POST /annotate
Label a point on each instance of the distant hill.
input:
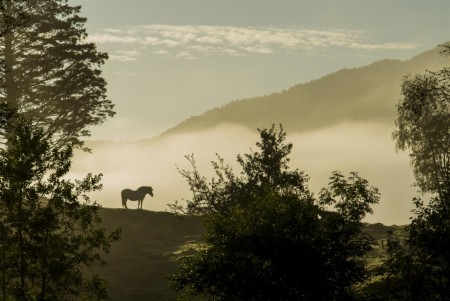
(367, 93)
(150, 246)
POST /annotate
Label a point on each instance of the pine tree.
(51, 91)
(51, 74)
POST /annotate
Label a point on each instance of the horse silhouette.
(135, 195)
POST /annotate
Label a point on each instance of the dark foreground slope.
(149, 248)
(139, 263)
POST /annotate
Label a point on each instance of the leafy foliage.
(8, 22)
(51, 74)
(419, 267)
(48, 237)
(263, 172)
(267, 237)
(51, 91)
(423, 127)
(352, 198)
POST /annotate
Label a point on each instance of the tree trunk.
(4, 273)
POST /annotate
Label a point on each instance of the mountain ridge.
(366, 93)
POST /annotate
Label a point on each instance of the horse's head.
(150, 191)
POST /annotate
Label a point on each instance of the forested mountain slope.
(367, 93)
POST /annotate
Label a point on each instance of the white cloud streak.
(191, 41)
(385, 46)
(124, 55)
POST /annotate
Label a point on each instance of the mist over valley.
(342, 121)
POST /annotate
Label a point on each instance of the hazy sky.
(170, 60)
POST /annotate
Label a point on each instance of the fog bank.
(363, 147)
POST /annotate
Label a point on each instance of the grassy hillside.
(146, 254)
(368, 93)
(150, 244)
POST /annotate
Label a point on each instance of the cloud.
(124, 55)
(126, 74)
(385, 46)
(103, 38)
(202, 40)
(184, 55)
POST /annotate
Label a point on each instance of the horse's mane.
(146, 188)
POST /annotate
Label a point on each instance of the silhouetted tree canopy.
(51, 74)
(417, 268)
(49, 228)
(262, 171)
(267, 237)
(51, 91)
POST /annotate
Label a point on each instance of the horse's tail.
(124, 199)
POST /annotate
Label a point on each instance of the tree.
(51, 91)
(423, 127)
(8, 23)
(51, 74)
(261, 171)
(419, 267)
(267, 237)
(429, 237)
(48, 236)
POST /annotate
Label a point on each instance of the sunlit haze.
(171, 60)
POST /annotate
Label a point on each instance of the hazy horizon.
(318, 153)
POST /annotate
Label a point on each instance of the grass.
(140, 262)
(152, 242)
